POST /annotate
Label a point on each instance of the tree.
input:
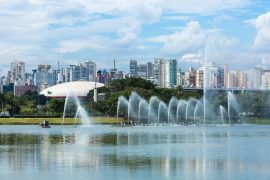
(56, 106)
(124, 87)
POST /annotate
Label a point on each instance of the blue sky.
(236, 32)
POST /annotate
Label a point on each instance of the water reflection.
(168, 152)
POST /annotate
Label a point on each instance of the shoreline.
(55, 121)
(94, 120)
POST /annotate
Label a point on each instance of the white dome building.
(79, 88)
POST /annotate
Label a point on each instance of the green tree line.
(30, 104)
(124, 87)
(251, 103)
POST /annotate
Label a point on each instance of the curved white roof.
(78, 88)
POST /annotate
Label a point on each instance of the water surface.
(109, 152)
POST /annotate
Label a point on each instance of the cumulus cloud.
(188, 40)
(43, 26)
(207, 7)
(262, 40)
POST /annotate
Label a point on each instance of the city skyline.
(43, 32)
(164, 73)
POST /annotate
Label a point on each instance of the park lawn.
(254, 120)
(55, 121)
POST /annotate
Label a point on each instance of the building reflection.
(195, 154)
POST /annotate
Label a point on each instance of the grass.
(55, 121)
(95, 120)
(254, 120)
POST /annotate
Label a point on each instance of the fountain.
(172, 110)
(153, 110)
(198, 112)
(178, 111)
(133, 108)
(223, 113)
(143, 112)
(162, 113)
(73, 100)
(121, 105)
(82, 114)
(181, 111)
(232, 105)
(190, 108)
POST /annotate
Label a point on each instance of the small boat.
(45, 124)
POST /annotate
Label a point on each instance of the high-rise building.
(222, 76)
(237, 79)
(257, 77)
(113, 71)
(43, 76)
(18, 72)
(8, 78)
(81, 71)
(199, 77)
(150, 70)
(103, 76)
(133, 68)
(142, 70)
(190, 78)
(225, 75)
(171, 73)
(160, 72)
(92, 70)
(232, 80)
(213, 77)
(179, 77)
(266, 81)
(242, 80)
(119, 75)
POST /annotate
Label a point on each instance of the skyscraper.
(242, 80)
(266, 80)
(179, 77)
(81, 71)
(257, 77)
(150, 70)
(91, 70)
(215, 76)
(171, 73)
(160, 72)
(225, 75)
(237, 79)
(189, 78)
(199, 78)
(142, 70)
(232, 80)
(133, 68)
(113, 71)
(43, 76)
(18, 72)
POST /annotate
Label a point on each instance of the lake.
(142, 152)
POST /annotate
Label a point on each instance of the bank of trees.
(124, 87)
(254, 103)
(251, 103)
(30, 104)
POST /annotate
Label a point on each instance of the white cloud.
(205, 7)
(75, 45)
(176, 17)
(189, 40)
(37, 27)
(262, 40)
(219, 20)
